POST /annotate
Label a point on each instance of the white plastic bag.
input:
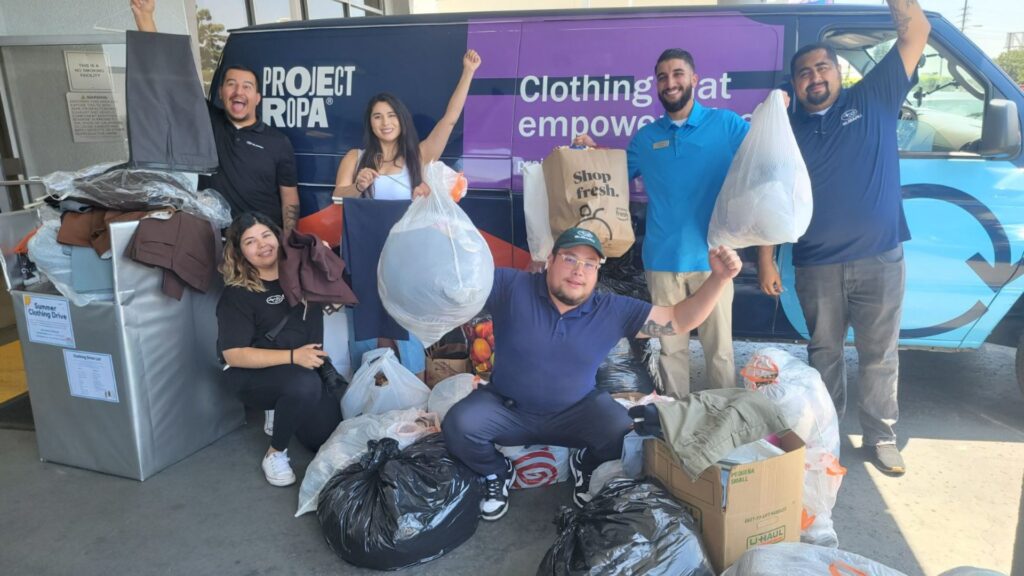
(348, 442)
(766, 197)
(823, 476)
(604, 474)
(435, 270)
(382, 384)
(535, 208)
(798, 392)
(537, 465)
(798, 559)
(55, 264)
(449, 392)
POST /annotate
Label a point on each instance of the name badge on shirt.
(660, 145)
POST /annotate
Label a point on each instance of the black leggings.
(301, 407)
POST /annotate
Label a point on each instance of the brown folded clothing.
(184, 246)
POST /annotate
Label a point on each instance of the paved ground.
(959, 504)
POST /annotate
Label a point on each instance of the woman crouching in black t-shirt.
(273, 361)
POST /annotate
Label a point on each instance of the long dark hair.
(235, 268)
(408, 141)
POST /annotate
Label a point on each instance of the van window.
(942, 114)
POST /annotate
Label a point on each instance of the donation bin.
(127, 386)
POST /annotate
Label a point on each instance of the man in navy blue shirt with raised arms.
(849, 263)
(551, 333)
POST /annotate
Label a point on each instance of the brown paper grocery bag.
(589, 189)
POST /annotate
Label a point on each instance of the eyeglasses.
(573, 262)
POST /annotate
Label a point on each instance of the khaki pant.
(715, 334)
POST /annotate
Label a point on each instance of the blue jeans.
(866, 294)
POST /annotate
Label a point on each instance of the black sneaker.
(495, 502)
(581, 479)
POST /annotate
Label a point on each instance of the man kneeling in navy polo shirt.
(551, 332)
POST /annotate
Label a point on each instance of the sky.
(988, 21)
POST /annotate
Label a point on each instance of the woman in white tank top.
(390, 167)
(391, 163)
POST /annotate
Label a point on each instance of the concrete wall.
(38, 84)
(36, 80)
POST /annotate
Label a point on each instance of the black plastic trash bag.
(625, 274)
(624, 371)
(630, 528)
(394, 509)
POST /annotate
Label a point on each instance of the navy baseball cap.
(579, 237)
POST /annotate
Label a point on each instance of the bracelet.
(291, 356)
(356, 184)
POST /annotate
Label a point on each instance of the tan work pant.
(715, 334)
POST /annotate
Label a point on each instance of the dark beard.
(561, 297)
(818, 100)
(672, 107)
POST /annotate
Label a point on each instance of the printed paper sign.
(48, 320)
(88, 71)
(91, 375)
(94, 118)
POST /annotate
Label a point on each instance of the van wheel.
(1019, 364)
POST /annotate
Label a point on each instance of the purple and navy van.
(547, 76)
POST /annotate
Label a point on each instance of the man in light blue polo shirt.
(683, 158)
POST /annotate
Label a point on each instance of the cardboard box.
(763, 500)
(440, 368)
(447, 359)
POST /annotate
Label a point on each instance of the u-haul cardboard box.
(751, 504)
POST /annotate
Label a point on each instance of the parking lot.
(962, 432)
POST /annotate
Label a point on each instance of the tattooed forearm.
(902, 14)
(902, 23)
(290, 216)
(653, 329)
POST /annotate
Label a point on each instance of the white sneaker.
(268, 422)
(277, 469)
(495, 501)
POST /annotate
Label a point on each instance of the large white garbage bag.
(348, 443)
(799, 559)
(766, 197)
(800, 394)
(436, 270)
(382, 384)
(536, 211)
(823, 476)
